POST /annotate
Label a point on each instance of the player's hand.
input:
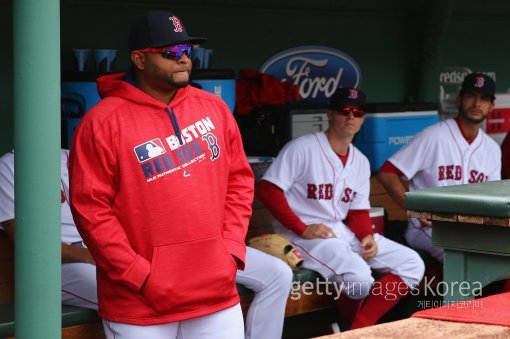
(87, 257)
(425, 222)
(318, 231)
(369, 247)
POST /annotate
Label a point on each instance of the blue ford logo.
(318, 71)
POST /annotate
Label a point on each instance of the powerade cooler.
(388, 127)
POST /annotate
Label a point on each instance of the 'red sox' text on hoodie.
(162, 198)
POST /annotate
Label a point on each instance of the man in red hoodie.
(161, 192)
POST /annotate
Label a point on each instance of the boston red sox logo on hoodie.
(158, 159)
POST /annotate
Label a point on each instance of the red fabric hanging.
(255, 89)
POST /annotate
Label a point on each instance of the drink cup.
(81, 59)
(105, 60)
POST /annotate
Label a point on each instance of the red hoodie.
(163, 220)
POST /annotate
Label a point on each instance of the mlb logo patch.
(149, 150)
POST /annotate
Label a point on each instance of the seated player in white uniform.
(318, 189)
(451, 152)
(78, 267)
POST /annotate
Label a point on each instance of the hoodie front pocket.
(190, 275)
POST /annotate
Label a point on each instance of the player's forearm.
(360, 223)
(76, 254)
(394, 186)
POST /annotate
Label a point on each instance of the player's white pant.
(271, 279)
(224, 324)
(420, 237)
(337, 259)
(79, 287)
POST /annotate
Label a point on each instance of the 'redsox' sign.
(318, 71)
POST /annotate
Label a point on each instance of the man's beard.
(178, 84)
(466, 116)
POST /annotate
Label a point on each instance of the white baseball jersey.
(440, 156)
(318, 187)
(69, 232)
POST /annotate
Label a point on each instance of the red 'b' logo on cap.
(479, 82)
(353, 94)
(177, 23)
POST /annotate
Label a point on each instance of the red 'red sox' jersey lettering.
(475, 176)
(349, 195)
(449, 172)
(320, 192)
(446, 158)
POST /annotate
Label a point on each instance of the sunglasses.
(356, 112)
(171, 52)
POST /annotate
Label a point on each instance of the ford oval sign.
(318, 71)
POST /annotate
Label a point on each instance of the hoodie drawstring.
(175, 124)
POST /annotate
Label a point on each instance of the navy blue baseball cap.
(348, 95)
(159, 29)
(478, 82)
